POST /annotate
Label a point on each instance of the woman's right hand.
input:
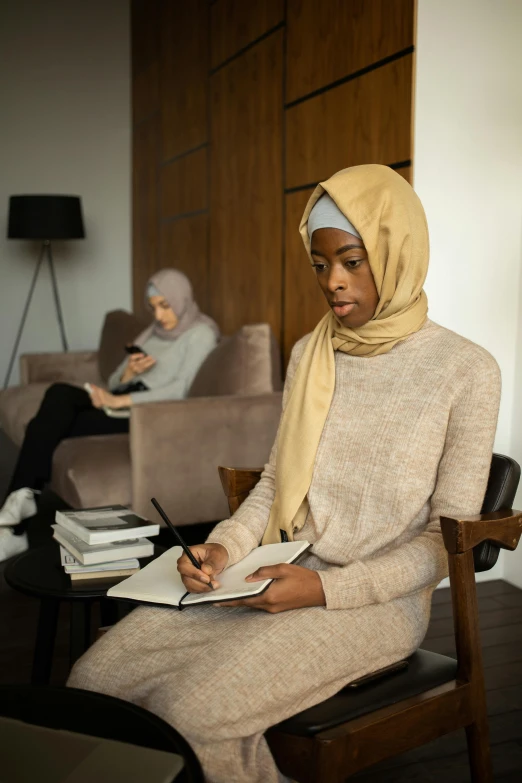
(137, 364)
(213, 559)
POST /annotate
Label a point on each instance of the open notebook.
(160, 581)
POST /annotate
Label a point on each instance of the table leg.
(109, 614)
(44, 644)
(80, 631)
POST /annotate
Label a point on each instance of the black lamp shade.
(45, 217)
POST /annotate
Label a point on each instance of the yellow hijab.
(390, 218)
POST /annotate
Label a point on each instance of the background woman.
(174, 347)
(388, 424)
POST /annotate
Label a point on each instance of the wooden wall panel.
(145, 58)
(144, 33)
(184, 75)
(236, 23)
(183, 184)
(145, 93)
(247, 188)
(367, 120)
(407, 173)
(183, 245)
(331, 39)
(304, 303)
(145, 206)
(210, 109)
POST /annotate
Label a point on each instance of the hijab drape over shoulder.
(390, 219)
(175, 287)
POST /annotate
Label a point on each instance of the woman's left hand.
(100, 398)
(294, 587)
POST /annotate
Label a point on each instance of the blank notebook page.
(160, 581)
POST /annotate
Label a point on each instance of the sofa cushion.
(93, 471)
(18, 405)
(119, 329)
(248, 362)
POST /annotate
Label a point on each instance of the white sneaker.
(19, 505)
(11, 545)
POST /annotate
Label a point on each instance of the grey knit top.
(177, 363)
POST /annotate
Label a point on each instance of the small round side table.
(39, 573)
(97, 715)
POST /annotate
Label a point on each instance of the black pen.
(178, 538)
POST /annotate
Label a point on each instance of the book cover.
(106, 524)
(102, 553)
(90, 577)
(113, 565)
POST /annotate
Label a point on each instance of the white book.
(105, 525)
(102, 553)
(97, 577)
(66, 559)
(117, 413)
(72, 566)
(160, 581)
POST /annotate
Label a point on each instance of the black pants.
(66, 412)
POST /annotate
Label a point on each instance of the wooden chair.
(398, 709)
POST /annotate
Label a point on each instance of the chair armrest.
(177, 446)
(503, 527)
(75, 366)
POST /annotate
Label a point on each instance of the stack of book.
(102, 545)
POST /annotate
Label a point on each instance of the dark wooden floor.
(443, 761)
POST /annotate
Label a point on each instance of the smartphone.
(135, 349)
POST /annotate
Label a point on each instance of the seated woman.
(388, 424)
(174, 347)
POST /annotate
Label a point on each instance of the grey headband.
(326, 214)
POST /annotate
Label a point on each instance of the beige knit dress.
(408, 437)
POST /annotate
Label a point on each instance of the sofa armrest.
(177, 446)
(74, 367)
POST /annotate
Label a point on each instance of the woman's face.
(344, 275)
(163, 312)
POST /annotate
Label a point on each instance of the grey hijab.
(177, 290)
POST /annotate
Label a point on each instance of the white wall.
(468, 174)
(65, 128)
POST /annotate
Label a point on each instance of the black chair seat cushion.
(426, 670)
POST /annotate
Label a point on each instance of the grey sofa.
(174, 448)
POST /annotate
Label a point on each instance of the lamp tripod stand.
(45, 253)
(35, 217)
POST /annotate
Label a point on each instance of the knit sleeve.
(244, 530)
(461, 484)
(177, 382)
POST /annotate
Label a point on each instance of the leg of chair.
(44, 645)
(477, 736)
(80, 631)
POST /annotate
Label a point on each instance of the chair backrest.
(504, 476)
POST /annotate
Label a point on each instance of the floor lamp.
(43, 218)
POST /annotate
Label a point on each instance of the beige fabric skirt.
(221, 677)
